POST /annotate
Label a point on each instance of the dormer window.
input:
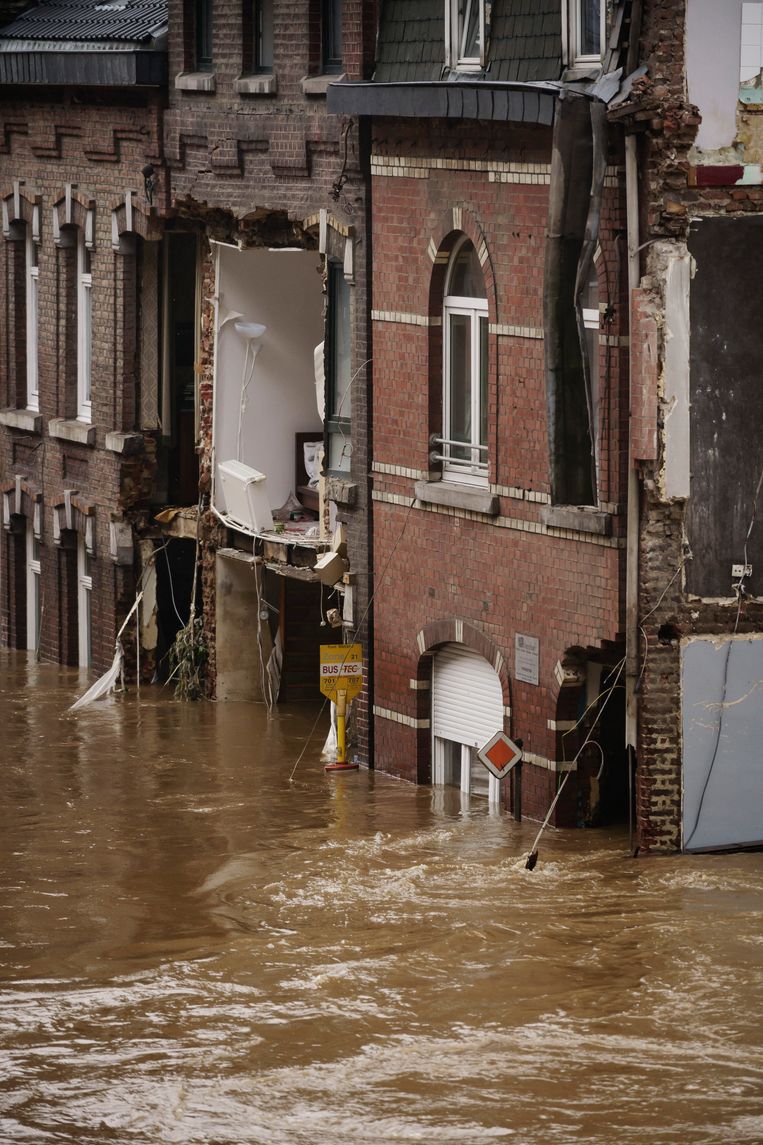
(586, 32)
(465, 34)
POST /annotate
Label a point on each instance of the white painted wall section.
(282, 291)
(713, 50)
(676, 473)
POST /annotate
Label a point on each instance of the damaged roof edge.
(510, 101)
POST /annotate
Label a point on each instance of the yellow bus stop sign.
(341, 670)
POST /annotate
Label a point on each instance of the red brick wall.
(430, 565)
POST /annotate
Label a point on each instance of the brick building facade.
(149, 224)
(81, 115)
(272, 189)
(696, 124)
(499, 434)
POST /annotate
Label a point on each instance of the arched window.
(465, 359)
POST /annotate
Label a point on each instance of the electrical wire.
(172, 590)
(265, 682)
(532, 857)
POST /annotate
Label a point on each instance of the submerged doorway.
(467, 709)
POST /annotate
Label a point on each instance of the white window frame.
(84, 605)
(465, 785)
(457, 14)
(474, 471)
(32, 310)
(84, 330)
(33, 585)
(592, 321)
(573, 28)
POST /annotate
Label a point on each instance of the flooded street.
(194, 949)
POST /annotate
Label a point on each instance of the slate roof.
(90, 21)
(525, 41)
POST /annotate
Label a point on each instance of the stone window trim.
(27, 420)
(22, 499)
(455, 226)
(256, 83)
(580, 518)
(22, 225)
(193, 81)
(319, 84)
(74, 514)
(21, 205)
(129, 217)
(72, 429)
(74, 209)
(453, 495)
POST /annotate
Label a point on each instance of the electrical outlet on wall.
(739, 571)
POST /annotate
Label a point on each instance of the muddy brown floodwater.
(193, 949)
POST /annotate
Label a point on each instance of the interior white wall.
(713, 48)
(281, 290)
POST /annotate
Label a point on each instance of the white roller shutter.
(467, 701)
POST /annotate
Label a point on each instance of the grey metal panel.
(516, 107)
(546, 109)
(445, 100)
(469, 105)
(500, 104)
(473, 100)
(485, 98)
(722, 743)
(84, 69)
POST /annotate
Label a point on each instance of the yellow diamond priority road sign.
(341, 670)
(499, 755)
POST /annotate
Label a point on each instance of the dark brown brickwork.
(97, 144)
(256, 167)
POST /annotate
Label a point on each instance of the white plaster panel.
(282, 291)
(713, 43)
(676, 384)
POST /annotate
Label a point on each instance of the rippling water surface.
(195, 950)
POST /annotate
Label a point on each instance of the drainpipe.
(632, 520)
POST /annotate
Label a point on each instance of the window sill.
(579, 518)
(583, 70)
(449, 493)
(256, 85)
(81, 432)
(26, 419)
(318, 85)
(341, 490)
(125, 443)
(195, 81)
